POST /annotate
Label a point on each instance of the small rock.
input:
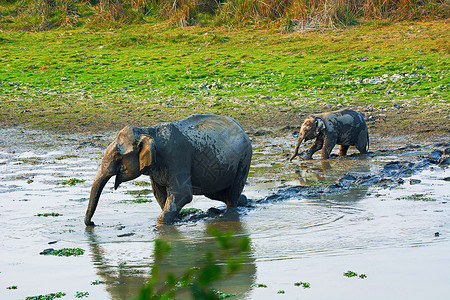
(64, 79)
(47, 251)
(212, 212)
(415, 181)
(52, 242)
(436, 234)
(126, 234)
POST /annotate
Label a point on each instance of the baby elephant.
(343, 127)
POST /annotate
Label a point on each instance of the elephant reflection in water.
(123, 282)
(313, 173)
(324, 172)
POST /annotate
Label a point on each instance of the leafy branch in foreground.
(198, 279)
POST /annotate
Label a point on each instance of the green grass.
(82, 80)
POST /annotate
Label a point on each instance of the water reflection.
(189, 245)
(329, 171)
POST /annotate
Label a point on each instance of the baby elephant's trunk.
(297, 145)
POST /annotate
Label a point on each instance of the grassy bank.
(80, 80)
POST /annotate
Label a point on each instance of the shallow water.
(379, 230)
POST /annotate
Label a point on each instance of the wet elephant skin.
(201, 155)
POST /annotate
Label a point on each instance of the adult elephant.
(201, 155)
(344, 127)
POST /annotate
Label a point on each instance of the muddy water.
(385, 230)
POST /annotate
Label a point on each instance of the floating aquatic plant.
(305, 285)
(142, 183)
(354, 274)
(417, 197)
(97, 282)
(189, 211)
(141, 200)
(12, 287)
(222, 295)
(81, 294)
(50, 296)
(68, 252)
(72, 181)
(52, 214)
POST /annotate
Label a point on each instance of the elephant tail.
(368, 141)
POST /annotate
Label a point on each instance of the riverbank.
(76, 80)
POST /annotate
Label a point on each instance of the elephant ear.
(320, 125)
(124, 141)
(147, 152)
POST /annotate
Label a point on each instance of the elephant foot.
(167, 218)
(89, 223)
(231, 214)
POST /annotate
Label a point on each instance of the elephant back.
(221, 134)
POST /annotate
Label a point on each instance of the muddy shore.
(383, 122)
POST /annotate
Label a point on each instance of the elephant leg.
(318, 144)
(343, 150)
(328, 146)
(160, 193)
(235, 192)
(363, 140)
(179, 194)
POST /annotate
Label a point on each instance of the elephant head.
(311, 128)
(127, 157)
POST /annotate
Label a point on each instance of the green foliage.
(139, 193)
(81, 294)
(321, 183)
(142, 183)
(30, 181)
(259, 285)
(280, 292)
(52, 214)
(198, 280)
(221, 295)
(72, 181)
(305, 285)
(354, 274)
(46, 297)
(417, 197)
(189, 211)
(141, 200)
(97, 282)
(68, 252)
(12, 287)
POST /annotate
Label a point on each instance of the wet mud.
(385, 214)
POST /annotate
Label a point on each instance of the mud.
(385, 214)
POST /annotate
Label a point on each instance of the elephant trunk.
(297, 145)
(100, 181)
